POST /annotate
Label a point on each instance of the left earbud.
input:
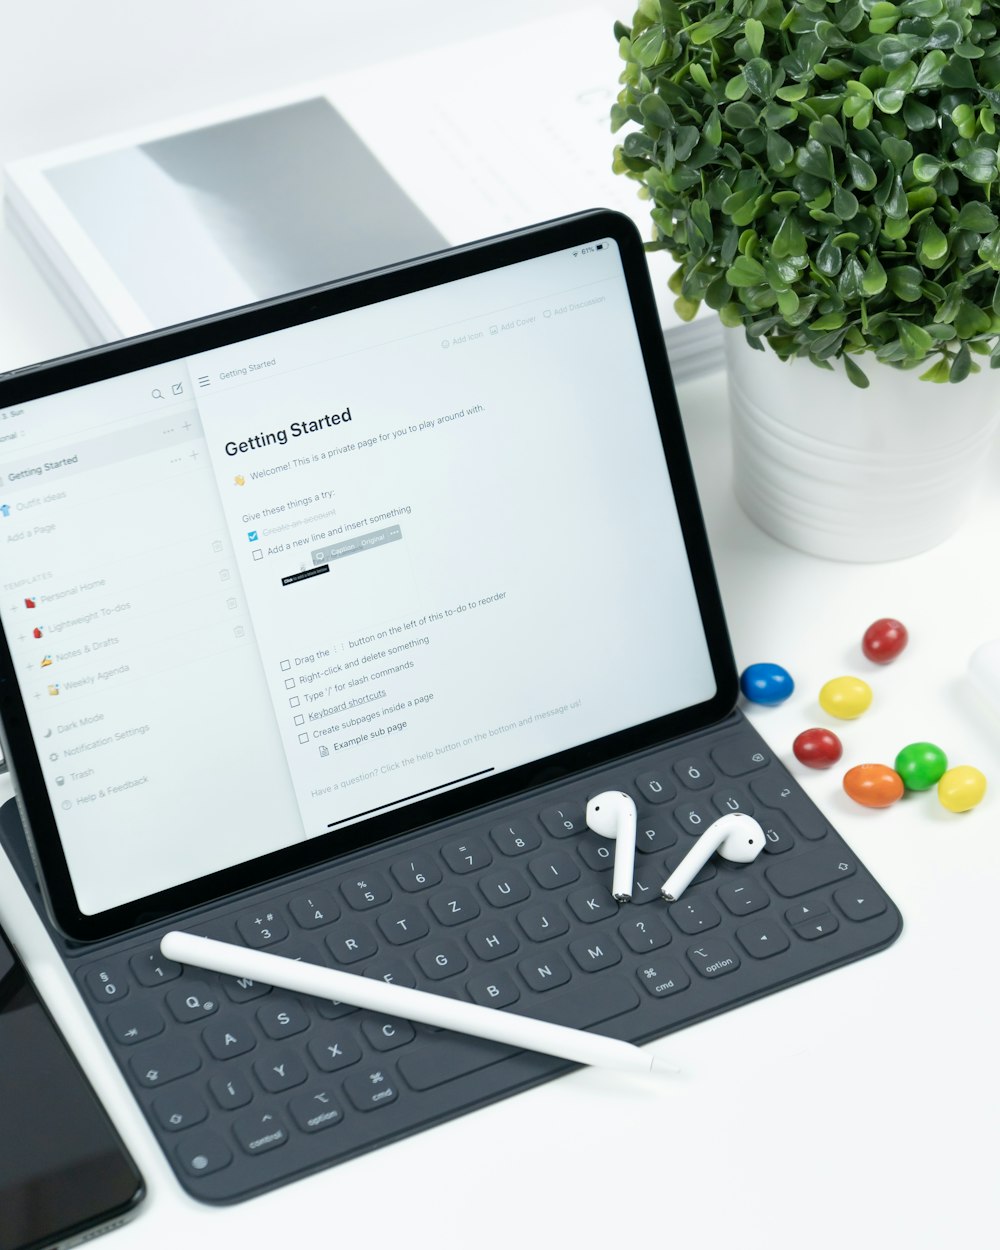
(612, 815)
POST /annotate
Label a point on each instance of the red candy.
(884, 640)
(873, 785)
(817, 748)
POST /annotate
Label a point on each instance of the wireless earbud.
(612, 815)
(736, 836)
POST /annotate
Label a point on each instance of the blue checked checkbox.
(252, 535)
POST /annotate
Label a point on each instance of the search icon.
(157, 394)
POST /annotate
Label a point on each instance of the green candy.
(921, 765)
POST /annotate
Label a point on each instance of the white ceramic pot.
(854, 474)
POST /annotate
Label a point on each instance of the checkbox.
(251, 536)
(285, 665)
(289, 683)
(300, 720)
(258, 554)
(303, 738)
(294, 701)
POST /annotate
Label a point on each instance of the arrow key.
(860, 902)
(822, 926)
(762, 938)
(808, 910)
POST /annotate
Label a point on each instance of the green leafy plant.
(824, 173)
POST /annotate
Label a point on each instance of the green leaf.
(686, 309)
(979, 166)
(929, 70)
(736, 88)
(971, 320)
(851, 277)
(938, 372)
(745, 271)
(780, 152)
(862, 174)
(874, 280)
(656, 110)
(813, 158)
(757, 73)
(753, 31)
(789, 239)
(697, 72)
(855, 373)
(927, 167)
(961, 366)
(975, 216)
(845, 205)
(710, 27)
(933, 245)
(829, 321)
(648, 46)
(904, 282)
(712, 130)
(914, 338)
(989, 250)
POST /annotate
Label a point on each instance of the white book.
(293, 188)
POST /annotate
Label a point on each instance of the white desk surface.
(857, 1110)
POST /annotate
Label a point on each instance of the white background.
(859, 1109)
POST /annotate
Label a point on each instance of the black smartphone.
(65, 1174)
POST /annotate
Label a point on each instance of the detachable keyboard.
(247, 1086)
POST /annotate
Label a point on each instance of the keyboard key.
(282, 1018)
(802, 873)
(654, 835)
(135, 1023)
(647, 881)
(316, 1109)
(228, 1038)
(371, 1090)
(416, 872)
(280, 1072)
(392, 971)
(192, 1001)
(774, 791)
(554, 870)
(230, 1091)
(694, 774)
(441, 959)
(242, 989)
(448, 1059)
(203, 1153)
(151, 968)
(777, 835)
(863, 903)
(739, 756)
(762, 938)
(648, 934)
(713, 958)
(743, 897)
(542, 921)
(350, 941)
(591, 904)
(164, 1062)
(454, 906)
(821, 927)
(469, 855)
(807, 910)
(596, 852)
(492, 941)
(600, 999)
(594, 955)
(387, 1034)
(504, 888)
(662, 978)
(693, 818)
(693, 915)
(262, 928)
(314, 909)
(515, 837)
(108, 982)
(544, 974)
(402, 924)
(490, 989)
(366, 890)
(259, 1131)
(655, 787)
(732, 799)
(333, 1049)
(563, 821)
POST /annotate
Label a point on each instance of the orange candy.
(873, 785)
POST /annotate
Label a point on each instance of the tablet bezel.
(153, 349)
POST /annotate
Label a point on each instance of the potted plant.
(825, 175)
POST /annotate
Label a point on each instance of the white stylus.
(400, 1000)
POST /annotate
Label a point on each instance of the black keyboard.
(247, 1086)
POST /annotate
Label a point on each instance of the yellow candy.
(845, 697)
(961, 788)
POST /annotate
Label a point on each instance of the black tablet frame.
(159, 347)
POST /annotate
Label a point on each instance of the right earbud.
(736, 836)
(612, 815)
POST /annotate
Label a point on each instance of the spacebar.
(452, 1057)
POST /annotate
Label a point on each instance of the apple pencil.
(399, 1000)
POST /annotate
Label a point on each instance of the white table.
(855, 1110)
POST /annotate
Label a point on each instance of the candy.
(845, 697)
(961, 788)
(884, 639)
(873, 785)
(921, 765)
(817, 748)
(766, 683)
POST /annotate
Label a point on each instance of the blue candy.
(766, 683)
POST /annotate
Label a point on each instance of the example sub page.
(450, 513)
